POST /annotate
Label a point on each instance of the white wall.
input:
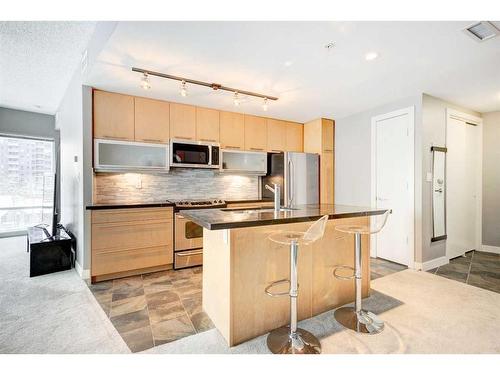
(491, 179)
(353, 159)
(70, 124)
(433, 134)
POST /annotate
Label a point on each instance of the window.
(26, 183)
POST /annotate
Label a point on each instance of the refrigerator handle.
(290, 183)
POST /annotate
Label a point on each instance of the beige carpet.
(424, 313)
(53, 313)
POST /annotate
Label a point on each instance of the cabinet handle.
(256, 149)
(151, 140)
(233, 147)
(186, 254)
(113, 137)
(327, 150)
(190, 138)
(208, 140)
(277, 150)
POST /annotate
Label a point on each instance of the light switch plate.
(429, 177)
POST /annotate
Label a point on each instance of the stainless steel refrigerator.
(298, 175)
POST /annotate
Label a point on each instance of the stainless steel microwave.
(194, 154)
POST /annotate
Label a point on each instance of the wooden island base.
(238, 264)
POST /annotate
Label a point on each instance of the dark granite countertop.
(214, 219)
(111, 206)
(248, 201)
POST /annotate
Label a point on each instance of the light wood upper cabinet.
(327, 174)
(276, 135)
(152, 120)
(294, 137)
(207, 125)
(182, 121)
(232, 130)
(328, 141)
(255, 133)
(113, 116)
(319, 138)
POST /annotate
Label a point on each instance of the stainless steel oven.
(193, 154)
(188, 236)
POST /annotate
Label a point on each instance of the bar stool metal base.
(366, 322)
(281, 341)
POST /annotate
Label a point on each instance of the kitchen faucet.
(277, 195)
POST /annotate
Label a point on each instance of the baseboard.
(491, 249)
(84, 274)
(431, 264)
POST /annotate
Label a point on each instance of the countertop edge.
(266, 222)
(112, 206)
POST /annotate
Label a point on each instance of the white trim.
(84, 274)
(431, 264)
(491, 249)
(478, 121)
(410, 111)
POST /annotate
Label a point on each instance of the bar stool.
(356, 318)
(290, 339)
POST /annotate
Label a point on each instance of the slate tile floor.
(381, 267)
(476, 268)
(156, 308)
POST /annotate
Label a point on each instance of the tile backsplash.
(178, 184)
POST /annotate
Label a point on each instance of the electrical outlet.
(138, 183)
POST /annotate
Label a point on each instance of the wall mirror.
(438, 193)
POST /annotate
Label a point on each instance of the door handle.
(382, 199)
(440, 190)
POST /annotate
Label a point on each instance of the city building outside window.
(26, 183)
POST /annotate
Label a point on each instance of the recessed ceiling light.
(371, 56)
(288, 63)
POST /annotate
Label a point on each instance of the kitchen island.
(239, 262)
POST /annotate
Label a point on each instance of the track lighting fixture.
(264, 105)
(183, 90)
(236, 99)
(145, 84)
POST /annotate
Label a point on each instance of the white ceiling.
(38, 58)
(414, 57)
(37, 61)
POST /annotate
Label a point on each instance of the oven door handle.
(189, 253)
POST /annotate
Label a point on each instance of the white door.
(463, 144)
(394, 184)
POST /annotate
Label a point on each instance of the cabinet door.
(207, 125)
(327, 136)
(182, 121)
(276, 135)
(152, 120)
(232, 130)
(294, 137)
(255, 133)
(113, 116)
(327, 178)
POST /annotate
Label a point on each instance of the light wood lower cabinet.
(127, 241)
(238, 264)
